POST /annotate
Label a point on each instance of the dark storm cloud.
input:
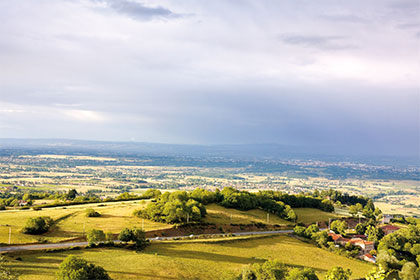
(316, 41)
(80, 69)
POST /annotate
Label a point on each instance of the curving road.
(17, 248)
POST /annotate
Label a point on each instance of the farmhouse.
(365, 246)
(369, 258)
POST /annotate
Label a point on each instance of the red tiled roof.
(390, 227)
(368, 255)
(334, 236)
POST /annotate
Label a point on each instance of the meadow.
(71, 221)
(192, 260)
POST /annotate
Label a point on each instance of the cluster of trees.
(401, 251)
(135, 235)
(74, 268)
(343, 198)
(38, 225)
(275, 270)
(300, 200)
(175, 207)
(368, 211)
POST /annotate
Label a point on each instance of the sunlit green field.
(195, 260)
(220, 215)
(73, 221)
(311, 215)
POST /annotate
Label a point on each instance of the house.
(389, 229)
(22, 202)
(386, 219)
(365, 246)
(369, 258)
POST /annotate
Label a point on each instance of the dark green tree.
(74, 268)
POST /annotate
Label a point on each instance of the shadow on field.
(148, 276)
(200, 255)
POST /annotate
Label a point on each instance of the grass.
(204, 260)
(312, 215)
(72, 221)
(220, 215)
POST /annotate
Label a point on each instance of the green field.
(72, 221)
(220, 215)
(192, 260)
(312, 215)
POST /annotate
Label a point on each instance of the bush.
(92, 213)
(37, 225)
(74, 268)
(95, 236)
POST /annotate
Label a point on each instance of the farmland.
(195, 260)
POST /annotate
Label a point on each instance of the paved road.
(72, 244)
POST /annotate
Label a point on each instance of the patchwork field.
(193, 260)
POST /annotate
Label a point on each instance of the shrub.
(92, 213)
(37, 225)
(74, 268)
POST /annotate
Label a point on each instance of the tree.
(377, 274)
(339, 226)
(126, 235)
(299, 231)
(321, 238)
(409, 271)
(311, 230)
(74, 268)
(374, 234)
(95, 236)
(360, 228)
(338, 273)
(6, 273)
(37, 225)
(269, 270)
(71, 194)
(135, 235)
(302, 274)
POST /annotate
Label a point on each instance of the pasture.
(192, 260)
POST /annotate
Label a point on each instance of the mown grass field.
(192, 260)
(311, 215)
(73, 220)
(220, 215)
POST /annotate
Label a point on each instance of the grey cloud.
(411, 25)
(138, 10)
(319, 42)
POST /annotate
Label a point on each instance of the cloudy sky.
(327, 72)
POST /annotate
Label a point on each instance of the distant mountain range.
(262, 151)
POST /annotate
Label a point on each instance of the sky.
(312, 73)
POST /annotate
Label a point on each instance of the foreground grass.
(312, 215)
(220, 215)
(193, 260)
(72, 221)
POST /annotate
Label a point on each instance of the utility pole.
(329, 224)
(268, 218)
(188, 218)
